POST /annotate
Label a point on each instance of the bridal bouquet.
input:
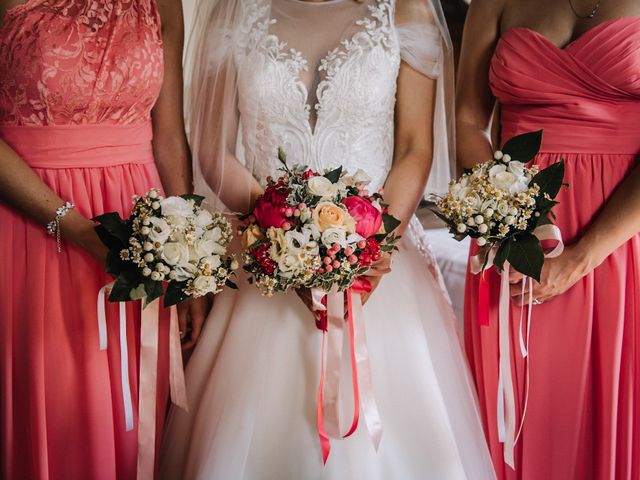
(501, 203)
(167, 241)
(315, 230)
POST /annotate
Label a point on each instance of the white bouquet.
(167, 241)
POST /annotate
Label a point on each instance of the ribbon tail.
(335, 337)
(148, 385)
(354, 367)
(124, 369)
(505, 368)
(176, 370)
(102, 316)
(325, 442)
(370, 410)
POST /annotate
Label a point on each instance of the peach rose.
(251, 235)
(328, 215)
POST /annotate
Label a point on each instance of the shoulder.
(414, 11)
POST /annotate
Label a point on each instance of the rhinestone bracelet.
(53, 227)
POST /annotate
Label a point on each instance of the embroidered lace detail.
(80, 62)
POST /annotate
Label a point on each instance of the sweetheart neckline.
(586, 34)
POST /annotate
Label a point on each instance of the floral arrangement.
(315, 230)
(167, 241)
(500, 203)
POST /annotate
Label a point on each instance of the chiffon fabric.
(325, 92)
(583, 414)
(77, 82)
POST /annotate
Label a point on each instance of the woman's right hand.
(82, 232)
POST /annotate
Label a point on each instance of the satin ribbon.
(328, 389)
(150, 317)
(506, 409)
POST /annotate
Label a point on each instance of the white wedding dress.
(253, 377)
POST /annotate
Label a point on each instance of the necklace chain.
(592, 14)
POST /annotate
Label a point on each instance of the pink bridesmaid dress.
(583, 415)
(77, 82)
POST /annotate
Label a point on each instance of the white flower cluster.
(492, 201)
(174, 239)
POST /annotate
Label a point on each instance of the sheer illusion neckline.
(589, 33)
(317, 4)
(342, 49)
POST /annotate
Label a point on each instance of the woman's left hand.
(558, 275)
(375, 274)
(192, 314)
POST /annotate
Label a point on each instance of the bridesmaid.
(570, 67)
(81, 95)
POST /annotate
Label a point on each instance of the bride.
(334, 82)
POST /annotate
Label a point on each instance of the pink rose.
(368, 218)
(271, 208)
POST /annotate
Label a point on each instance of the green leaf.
(197, 199)
(154, 289)
(543, 220)
(503, 253)
(138, 293)
(334, 175)
(114, 265)
(231, 285)
(115, 225)
(526, 255)
(525, 147)
(440, 216)
(390, 223)
(175, 293)
(121, 290)
(282, 156)
(111, 242)
(550, 179)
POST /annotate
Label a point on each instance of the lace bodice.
(80, 62)
(328, 109)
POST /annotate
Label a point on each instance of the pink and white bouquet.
(315, 230)
(170, 241)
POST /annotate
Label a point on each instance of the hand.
(558, 275)
(192, 314)
(81, 231)
(305, 296)
(375, 274)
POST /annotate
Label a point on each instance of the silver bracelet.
(53, 227)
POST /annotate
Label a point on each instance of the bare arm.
(474, 101)
(170, 148)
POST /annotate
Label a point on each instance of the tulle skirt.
(253, 378)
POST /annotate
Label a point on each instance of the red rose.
(368, 218)
(271, 207)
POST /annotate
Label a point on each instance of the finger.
(197, 321)
(183, 314)
(515, 276)
(515, 290)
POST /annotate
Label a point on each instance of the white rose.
(517, 168)
(204, 284)
(176, 221)
(289, 264)
(504, 180)
(203, 218)
(322, 187)
(205, 247)
(354, 238)
(471, 198)
(212, 261)
(361, 177)
(175, 253)
(177, 206)
(160, 230)
(503, 209)
(278, 243)
(295, 242)
(184, 272)
(334, 235)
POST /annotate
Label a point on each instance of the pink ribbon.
(150, 317)
(328, 390)
(506, 408)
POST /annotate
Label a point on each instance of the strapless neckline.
(586, 35)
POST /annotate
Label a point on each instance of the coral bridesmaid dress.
(77, 83)
(583, 415)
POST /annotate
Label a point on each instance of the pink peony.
(271, 208)
(368, 218)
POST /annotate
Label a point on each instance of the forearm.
(173, 162)
(405, 184)
(236, 186)
(473, 145)
(618, 221)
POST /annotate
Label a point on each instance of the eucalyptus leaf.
(525, 147)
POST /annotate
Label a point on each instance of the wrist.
(586, 257)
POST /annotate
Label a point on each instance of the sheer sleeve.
(425, 45)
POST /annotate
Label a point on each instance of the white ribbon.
(506, 410)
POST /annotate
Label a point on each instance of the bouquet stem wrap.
(150, 316)
(332, 342)
(506, 408)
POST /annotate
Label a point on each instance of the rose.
(212, 262)
(203, 218)
(289, 264)
(321, 187)
(204, 284)
(270, 208)
(184, 272)
(206, 247)
(299, 242)
(177, 206)
(160, 230)
(507, 180)
(517, 168)
(251, 235)
(334, 235)
(211, 239)
(368, 218)
(175, 253)
(471, 198)
(278, 245)
(329, 215)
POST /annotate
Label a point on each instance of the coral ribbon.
(150, 317)
(332, 342)
(506, 409)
